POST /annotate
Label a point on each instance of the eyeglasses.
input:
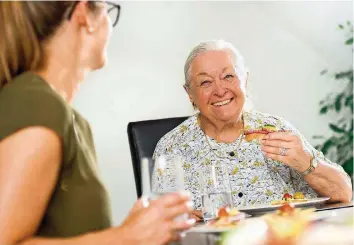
(113, 10)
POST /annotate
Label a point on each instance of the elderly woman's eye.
(229, 76)
(205, 83)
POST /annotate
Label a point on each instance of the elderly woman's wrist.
(304, 166)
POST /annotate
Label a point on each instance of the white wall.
(285, 45)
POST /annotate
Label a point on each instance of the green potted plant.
(341, 103)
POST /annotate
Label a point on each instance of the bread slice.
(258, 135)
(255, 136)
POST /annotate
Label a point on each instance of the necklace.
(232, 154)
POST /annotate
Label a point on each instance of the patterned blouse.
(253, 178)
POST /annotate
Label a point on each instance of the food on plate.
(223, 212)
(299, 195)
(288, 198)
(287, 224)
(227, 217)
(286, 209)
(259, 134)
(249, 232)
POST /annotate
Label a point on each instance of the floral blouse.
(254, 179)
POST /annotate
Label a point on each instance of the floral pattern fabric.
(253, 178)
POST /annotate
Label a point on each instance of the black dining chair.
(143, 137)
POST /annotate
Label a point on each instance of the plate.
(328, 234)
(205, 228)
(254, 232)
(269, 207)
(210, 229)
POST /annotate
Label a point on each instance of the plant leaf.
(323, 72)
(336, 128)
(349, 102)
(349, 41)
(348, 166)
(344, 151)
(338, 102)
(318, 147)
(328, 144)
(318, 137)
(324, 110)
(340, 26)
(344, 74)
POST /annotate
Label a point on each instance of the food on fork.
(260, 133)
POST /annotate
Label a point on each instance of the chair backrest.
(143, 137)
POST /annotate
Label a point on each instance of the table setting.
(292, 220)
(321, 224)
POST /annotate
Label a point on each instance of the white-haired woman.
(223, 131)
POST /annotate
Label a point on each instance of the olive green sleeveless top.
(79, 203)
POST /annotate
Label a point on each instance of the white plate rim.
(210, 229)
(268, 207)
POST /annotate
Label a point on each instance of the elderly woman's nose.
(220, 88)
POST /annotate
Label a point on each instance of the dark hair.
(24, 26)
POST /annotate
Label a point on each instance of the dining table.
(336, 212)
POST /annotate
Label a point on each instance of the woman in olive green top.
(50, 192)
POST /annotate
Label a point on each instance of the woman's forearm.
(329, 181)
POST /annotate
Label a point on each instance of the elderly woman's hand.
(287, 148)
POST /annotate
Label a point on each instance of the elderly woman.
(223, 132)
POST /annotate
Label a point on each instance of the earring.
(90, 30)
(194, 106)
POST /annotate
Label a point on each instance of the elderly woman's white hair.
(215, 45)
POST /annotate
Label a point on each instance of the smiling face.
(214, 86)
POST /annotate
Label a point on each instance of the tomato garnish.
(287, 208)
(287, 196)
(224, 212)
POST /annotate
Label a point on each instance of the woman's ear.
(185, 88)
(83, 16)
(190, 97)
(187, 91)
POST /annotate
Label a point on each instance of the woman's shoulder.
(181, 130)
(27, 87)
(179, 134)
(30, 101)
